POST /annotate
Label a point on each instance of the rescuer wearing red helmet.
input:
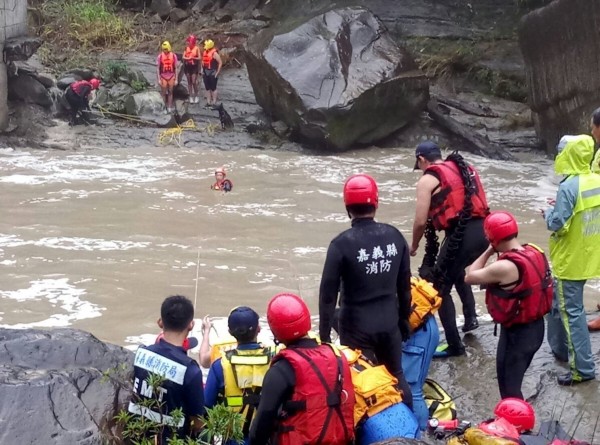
(220, 182)
(518, 295)
(78, 94)
(371, 262)
(450, 197)
(307, 396)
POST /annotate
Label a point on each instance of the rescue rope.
(439, 272)
(104, 112)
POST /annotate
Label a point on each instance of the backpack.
(375, 388)
(440, 404)
(425, 301)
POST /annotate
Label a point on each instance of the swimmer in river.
(220, 182)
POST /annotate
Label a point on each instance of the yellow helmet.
(209, 44)
(166, 46)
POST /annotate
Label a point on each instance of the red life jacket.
(531, 298)
(449, 201)
(321, 410)
(208, 61)
(167, 63)
(79, 85)
(192, 55)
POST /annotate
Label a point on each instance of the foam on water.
(76, 243)
(64, 298)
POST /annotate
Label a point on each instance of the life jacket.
(78, 86)
(221, 346)
(208, 62)
(193, 54)
(477, 436)
(531, 298)
(321, 409)
(243, 372)
(225, 184)
(167, 63)
(425, 301)
(499, 428)
(447, 203)
(375, 388)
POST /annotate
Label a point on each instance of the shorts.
(190, 68)
(210, 81)
(167, 83)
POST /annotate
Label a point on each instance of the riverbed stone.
(73, 382)
(162, 8)
(338, 80)
(144, 103)
(178, 15)
(65, 81)
(28, 89)
(117, 97)
(46, 79)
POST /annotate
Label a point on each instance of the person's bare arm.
(425, 187)
(204, 354)
(502, 271)
(217, 57)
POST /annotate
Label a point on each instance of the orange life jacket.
(321, 410)
(531, 298)
(167, 63)
(208, 62)
(192, 55)
(450, 200)
(78, 86)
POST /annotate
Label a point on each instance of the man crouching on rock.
(78, 94)
(166, 380)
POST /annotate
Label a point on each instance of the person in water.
(236, 378)
(220, 182)
(78, 94)
(182, 387)
(575, 225)
(449, 196)
(211, 68)
(371, 260)
(308, 396)
(166, 74)
(191, 67)
(518, 295)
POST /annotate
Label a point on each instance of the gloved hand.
(404, 326)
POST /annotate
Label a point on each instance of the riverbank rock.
(562, 67)
(337, 80)
(28, 89)
(74, 383)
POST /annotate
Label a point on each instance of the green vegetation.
(220, 422)
(448, 59)
(73, 29)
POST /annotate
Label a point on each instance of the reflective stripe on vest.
(167, 63)
(447, 203)
(208, 59)
(574, 248)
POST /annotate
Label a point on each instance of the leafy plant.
(113, 69)
(220, 422)
(138, 85)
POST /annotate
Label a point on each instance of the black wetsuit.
(473, 244)
(278, 387)
(77, 96)
(516, 348)
(371, 261)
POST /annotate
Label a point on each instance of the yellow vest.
(425, 301)
(375, 388)
(574, 249)
(243, 372)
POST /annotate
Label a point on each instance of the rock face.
(562, 67)
(336, 80)
(28, 89)
(64, 377)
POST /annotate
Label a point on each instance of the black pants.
(516, 348)
(76, 102)
(382, 348)
(465, 293)
(472, 245)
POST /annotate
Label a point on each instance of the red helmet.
(361, 189)
(191, 39)
(498, 226)
(95, 83)
(288, 317)
(221, 170)
(518, 412)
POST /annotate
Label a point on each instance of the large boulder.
(149, 106)
(28, 89)
(74, 383)
(562, 67)
(162, 8)
(337, 80)
(117, 97)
